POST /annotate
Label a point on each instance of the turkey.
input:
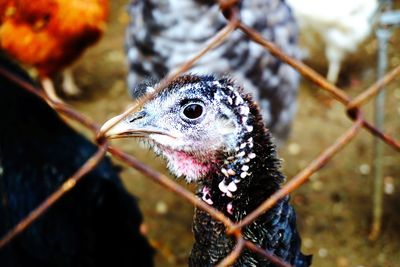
(163, 34)
(211, 132)
(96, 224)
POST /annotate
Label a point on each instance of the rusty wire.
(214, 42)
(65, 187)
(370, 92)
(271, 257)
(352, 107)
(303, 176)
(235, 253)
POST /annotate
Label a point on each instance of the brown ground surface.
(334, 208)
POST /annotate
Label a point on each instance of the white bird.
(342, 25)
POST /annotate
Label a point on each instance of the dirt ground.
(334, 207)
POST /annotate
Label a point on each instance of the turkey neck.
(246, 177)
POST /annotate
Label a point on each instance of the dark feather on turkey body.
(275, 230)
(163, 35)
(96, 224)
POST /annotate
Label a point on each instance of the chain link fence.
(353, 107)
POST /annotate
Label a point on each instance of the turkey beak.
(137, 125)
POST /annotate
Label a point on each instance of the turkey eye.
(193, 111)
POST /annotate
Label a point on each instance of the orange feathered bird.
(51, 34)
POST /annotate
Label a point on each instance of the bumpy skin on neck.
(255, 168)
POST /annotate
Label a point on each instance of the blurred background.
(334, 208)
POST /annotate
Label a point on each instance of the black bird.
(211, 133)
(96, 224)
(163, 34)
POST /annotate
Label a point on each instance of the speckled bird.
(212, 133)
(163, 34)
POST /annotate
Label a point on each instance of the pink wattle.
(188, 165)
